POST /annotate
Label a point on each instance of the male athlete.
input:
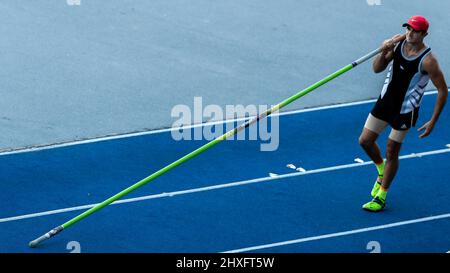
(398, 105)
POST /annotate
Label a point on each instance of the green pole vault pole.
(205, 147)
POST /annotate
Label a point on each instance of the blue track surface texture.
(315, 207)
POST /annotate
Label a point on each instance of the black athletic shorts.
(394, 118)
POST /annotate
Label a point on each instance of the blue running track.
(274, 209)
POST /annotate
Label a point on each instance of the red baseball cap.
(418, 22)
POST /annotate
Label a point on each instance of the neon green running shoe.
(376, 186)
(377, 204)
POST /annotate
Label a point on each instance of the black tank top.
(403, 90)
(405, 83)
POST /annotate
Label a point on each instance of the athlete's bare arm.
(431, 66)
(382, 60)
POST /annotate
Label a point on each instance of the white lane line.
(219, 186)
(338, 234)
(136, 134)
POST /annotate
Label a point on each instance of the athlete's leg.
(372, 129)
(368, 137)
(367, 140)
(392, 161)
(394, 145)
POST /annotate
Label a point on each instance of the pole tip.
(33, 244)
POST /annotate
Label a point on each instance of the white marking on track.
(359, 160)
(219, 186)
(291, 166)
(338, 234)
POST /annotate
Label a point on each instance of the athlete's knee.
(365, 141)
(367, 138)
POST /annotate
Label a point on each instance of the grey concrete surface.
(116, 66)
